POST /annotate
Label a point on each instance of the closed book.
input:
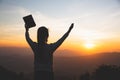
(29, 21)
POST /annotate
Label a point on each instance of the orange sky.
(77, 47)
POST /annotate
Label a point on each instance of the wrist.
(27, 29)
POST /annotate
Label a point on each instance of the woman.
(43, 52)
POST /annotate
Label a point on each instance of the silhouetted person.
(43, 52)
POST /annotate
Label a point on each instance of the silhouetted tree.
(6, 74)
(107, 72)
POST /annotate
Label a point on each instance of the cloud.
(99, 22)
(11, 18)
(10, 9)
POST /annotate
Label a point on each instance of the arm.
(30, 42)
(61, 40)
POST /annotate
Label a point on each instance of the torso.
(43, 57)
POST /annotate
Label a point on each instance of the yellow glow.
(89, 45)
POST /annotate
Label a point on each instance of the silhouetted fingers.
(71, 26)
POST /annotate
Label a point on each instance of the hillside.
(21, 60)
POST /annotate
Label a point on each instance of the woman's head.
(42, 35)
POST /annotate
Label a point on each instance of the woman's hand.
(71, 27)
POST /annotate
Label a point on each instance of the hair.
(42, 35)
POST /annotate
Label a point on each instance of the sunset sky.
(97, 23)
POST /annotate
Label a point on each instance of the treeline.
(103, 72)
(6, 74)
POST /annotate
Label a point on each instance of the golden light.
(89, 45)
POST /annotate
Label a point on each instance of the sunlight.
(89, 45)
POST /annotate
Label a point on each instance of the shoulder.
(51, 44)
(34, 44)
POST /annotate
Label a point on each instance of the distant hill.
(17, 59)
(81, 64)
(6, 74)
(21, 60)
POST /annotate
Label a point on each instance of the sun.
(89, 45)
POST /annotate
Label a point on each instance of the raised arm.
(30, 42)
(61, 40)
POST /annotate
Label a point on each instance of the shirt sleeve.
(28, 39)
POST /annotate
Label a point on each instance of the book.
(29, 21)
